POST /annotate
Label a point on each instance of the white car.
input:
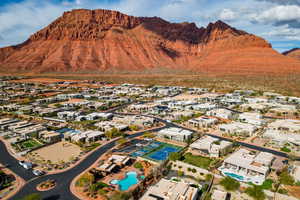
(26, 165)
(38, 172)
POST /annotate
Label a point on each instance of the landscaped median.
(85, 177)
(10, 183)
(46, 185)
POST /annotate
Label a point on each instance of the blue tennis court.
(163, 153)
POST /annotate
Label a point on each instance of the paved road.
(252, 146)
(64, 179)
(13, 165)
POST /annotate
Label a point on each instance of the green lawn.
(198, 161)
(285, 149)
(28, 144)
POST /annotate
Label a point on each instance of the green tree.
(180, 173)
(120, 196)
(174, 156)
(138, 165)
(208, 177)
(285, 178)
(256, 192)
(148, 135)
(33, 196)
(133, 127)
(230, 184)
(122, 141)
(85, 179)
(114, 132)
(93, 188)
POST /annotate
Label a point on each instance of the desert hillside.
(104, 40)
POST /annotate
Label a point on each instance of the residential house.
(114, 162)
(281, 137)
(87, 136)
(94, 116)
(68, 115)
(168, 189)
(238, 128)
(211, 146)
(178, 115)
(248, 166)
(202, 121)
(49, 136)
(283, 110)
(177, 134)
(220, 113)
(285, 125)
(252, 118)
(30, 131)
(136, 120)
(6, 122)
(204, 107)
(109, 125)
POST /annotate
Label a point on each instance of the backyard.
(28, 144)
(197, 161)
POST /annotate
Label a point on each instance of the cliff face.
(98, 40)
(293, 53)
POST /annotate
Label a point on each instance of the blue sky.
(278, 21)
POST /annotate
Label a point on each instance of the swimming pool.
(235, 176)
(163, 153)
(124, 184)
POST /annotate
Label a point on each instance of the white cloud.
(278, 15)
(19, 20)
(284, 32)
(227, 15)
(78, 2)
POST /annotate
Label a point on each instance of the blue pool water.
(163, 153)
(127, 182)
(235, 176)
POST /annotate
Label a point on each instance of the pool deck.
(121, 175)
(257, 180)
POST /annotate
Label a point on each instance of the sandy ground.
(69, 101)
(186, 97)
(38, 80)
(59, 151)
(294, 191)
(49, 94)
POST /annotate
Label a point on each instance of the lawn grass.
(29, 144)
(267, 184)
(286, 149)
(197, 161)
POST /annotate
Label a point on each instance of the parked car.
(38, 172)
(26, 165)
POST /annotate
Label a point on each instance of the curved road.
(64, 179)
